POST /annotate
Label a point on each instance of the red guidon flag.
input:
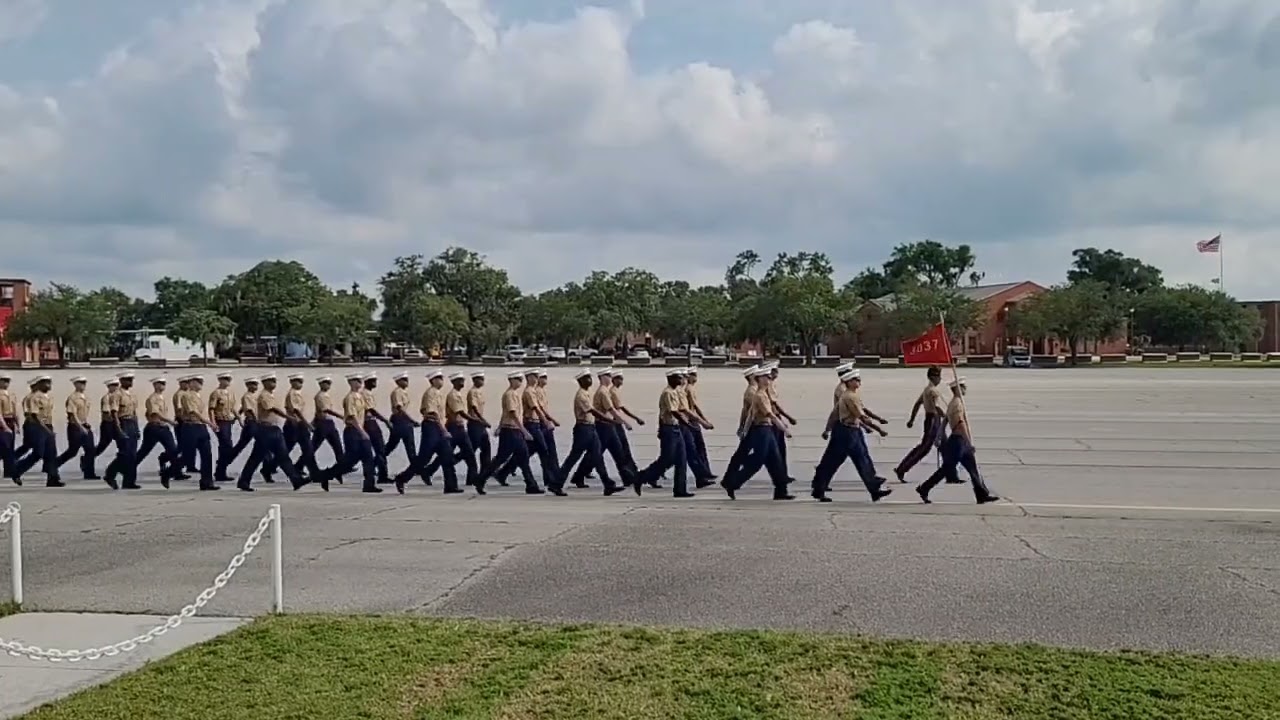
(931, 348)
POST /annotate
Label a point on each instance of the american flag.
(1212, 245)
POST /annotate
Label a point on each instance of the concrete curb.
(27, 684)
(789, 362)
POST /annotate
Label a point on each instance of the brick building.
(15, 293)
(1269, 310)
(874, 336)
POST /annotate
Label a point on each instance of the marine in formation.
(197, 434)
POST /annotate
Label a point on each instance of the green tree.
(917, 307)
(1114, 270)
(343, 316)
(273, 298)
(484, 292)
(556, 317)
(75, 322)
(204, 326)
(1193, 317)
(697, 316)
(796, 301)
(438, 320)
(869, 285)
(127, 313)
(931, 263)
(173, 296)
(1074, 314)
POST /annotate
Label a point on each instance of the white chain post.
(277, 559)
(13, 516)
(32, 652)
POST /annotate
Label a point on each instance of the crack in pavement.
(1251, 582)
(448, 592)
(1025, 542)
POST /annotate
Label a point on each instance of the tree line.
(457, 298)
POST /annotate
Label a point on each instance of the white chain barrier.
(268, 521)
(9, 512)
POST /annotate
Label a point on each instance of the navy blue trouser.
(957, 452)
(125, 463)
(464, 451)
(358, 451)
(43, 445)
(478, 433)
(201, 448)
(671, 455)
(611, 435)
(378, 442)
(188, 444)
(587, 454)
(845, 443)
(226, 449)
(7, 458)
(324, 432)
(107, 432)
(402, 433)
(513, 452)
(268, 447)
(80, 441)
(160, 434)
(298, 434)
(761, 452)
(930, 438)
(435, 450)
(700, 471)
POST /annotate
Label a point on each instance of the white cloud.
(344, 132)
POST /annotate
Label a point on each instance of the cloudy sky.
(147, 137)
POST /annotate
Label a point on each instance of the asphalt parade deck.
(1142, 514)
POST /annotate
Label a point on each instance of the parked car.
(557, 353)
(1017, 356)
(639, 352)
(516, 352)
(687, 351)
(582, 351)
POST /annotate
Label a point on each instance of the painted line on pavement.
(1157, 508)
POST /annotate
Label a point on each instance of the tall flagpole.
(1221, 251)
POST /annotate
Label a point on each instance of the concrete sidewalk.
(27, 684)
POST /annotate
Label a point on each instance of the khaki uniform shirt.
(931, 400)
(530, 403)
(124, 404)
(512, 408)
(353, 407)
(157, 404)
(399, 400)
(761, 410)
(187, 409)
(475, 401)
(668, 404)
(40, 405)
(455, 407)
(432, 405)
(294, 402)
(249, 403)
(323, 402)
(8, 408)
(78, 408)
(267, 403)
(582, 407)
(602, 401)
(222, 404)
(849, 409)
(370, 402)
(955, 414)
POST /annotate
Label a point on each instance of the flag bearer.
(957, 450)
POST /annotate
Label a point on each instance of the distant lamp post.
(1129, 331)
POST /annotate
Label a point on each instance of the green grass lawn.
(7, 608)
(330, 668)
